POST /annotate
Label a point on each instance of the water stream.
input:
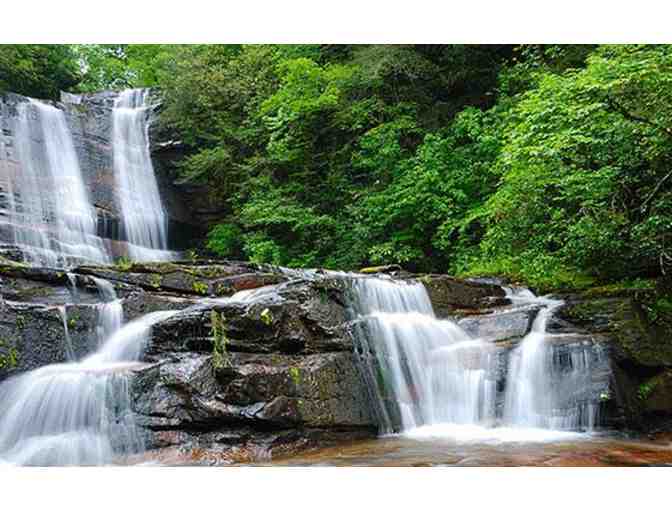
(431, 379)
(46, 206)
(143, 214)
(77, 413)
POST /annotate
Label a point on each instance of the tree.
(38, 70)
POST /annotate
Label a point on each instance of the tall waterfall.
(47, 206)
(77, 413)
(424, 371)
(144, 218)
(429, 374)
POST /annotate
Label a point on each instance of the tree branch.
(655, 190)
(636, 118)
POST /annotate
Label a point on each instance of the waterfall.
(144, 218)
(429, 377)
(547, 388)
(77, 413)
(47, 206)
(423, 371)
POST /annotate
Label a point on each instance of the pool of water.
(450, 445)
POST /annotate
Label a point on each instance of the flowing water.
(78, 413)
(431, 379)
(438, 403)
(46, 206)
(544, 390)
(423, 371)
(144, 217)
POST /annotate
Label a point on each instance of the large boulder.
(451, 296)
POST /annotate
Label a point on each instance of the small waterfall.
(423, 371)
(429, 377)
(110, 312)
(77, 413)
(47, 206)
(69, 350)
(138, 193)
(549, 383)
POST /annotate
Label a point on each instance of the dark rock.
(450, 295)
(32, 336)
(258, 391)
(222, 279)
(295, 318)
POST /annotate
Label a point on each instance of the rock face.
(640, 348)
(451, 296)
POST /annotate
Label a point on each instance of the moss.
(646, 388)
(220, 356)
(123, 264)
(20, 321)
(155, 280)
(295, 374)
(647, 343)
(266, 317)
(200, 287)
(378, 269)
(10, 358)
(624, 288)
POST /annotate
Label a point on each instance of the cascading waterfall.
(144, 218)
(47, 206)
(424, 371)
(77, 413)
(429, 375)
(548, 388)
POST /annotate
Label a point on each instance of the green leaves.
(38, 70)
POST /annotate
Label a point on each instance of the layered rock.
(260, 361)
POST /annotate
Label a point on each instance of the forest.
(546, 164)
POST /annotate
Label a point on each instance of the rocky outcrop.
(625, 322)
(451, 296)
(260, 361)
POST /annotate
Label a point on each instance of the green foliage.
(225, 240)
(119, 66)
(266, 316)
(38, 70)
(123, 263)
(200, 287)
(548, 164)
(645, 389)
(583, 161)
(9, 358)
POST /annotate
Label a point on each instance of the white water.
(138, 193)
(542, 390)
(424, 371)
(77, 413)
(431, 379)
(48, 209)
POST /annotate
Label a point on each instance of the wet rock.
(501, 325)
(32, 335)
(656, 394)
(295, 318)
(449, 294)
(260, 391)
(222, 279)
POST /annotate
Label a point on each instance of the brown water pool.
(490, 447)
